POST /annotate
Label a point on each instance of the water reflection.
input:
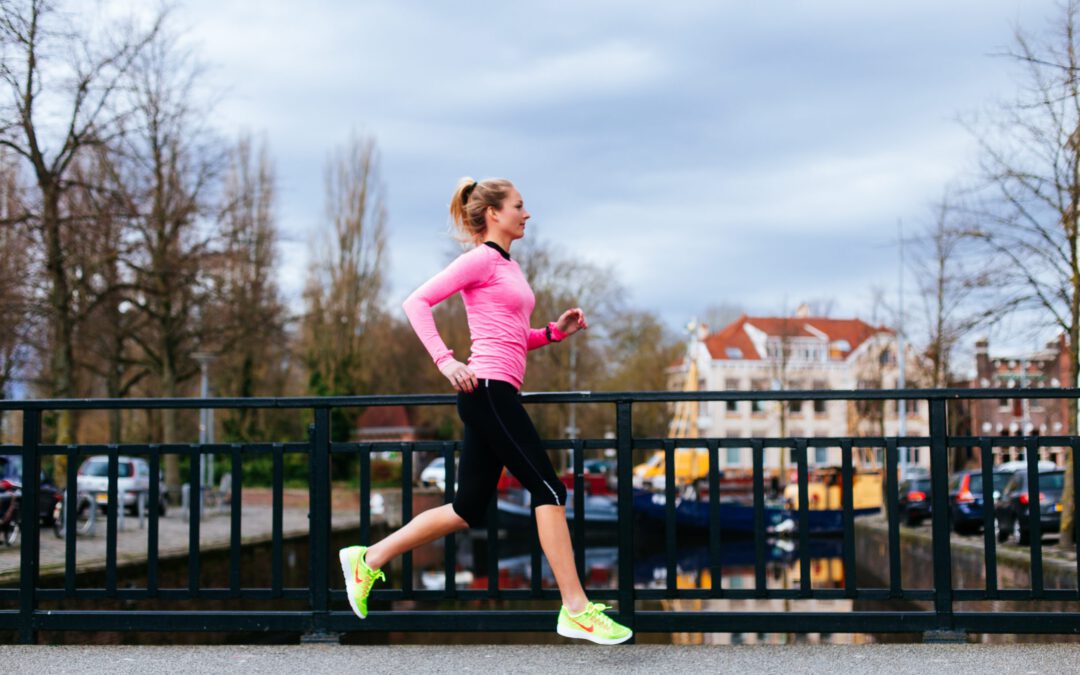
(601, 561)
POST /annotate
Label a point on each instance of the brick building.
(1009, 416)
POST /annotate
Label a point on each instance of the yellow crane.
(690, 463)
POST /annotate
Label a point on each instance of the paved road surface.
(583, 658)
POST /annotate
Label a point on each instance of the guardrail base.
(320, 637)
(944, 637)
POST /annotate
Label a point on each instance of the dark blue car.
(914, 501)
(966, 499)
(1012, 508)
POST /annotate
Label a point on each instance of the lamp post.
(206, 422)
(901, 405)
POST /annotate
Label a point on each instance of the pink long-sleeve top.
(498, 303)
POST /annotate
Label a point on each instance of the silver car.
(133, 478)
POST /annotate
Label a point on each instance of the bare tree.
(719, 314)
(106, 327)
(248, 315)
(169, 162)
(1031, 162)
(345, 283)
(639, 350)
(60, 86)
(560, 281)
(15, 289)
(956, 287)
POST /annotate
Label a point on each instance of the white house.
(799, 352)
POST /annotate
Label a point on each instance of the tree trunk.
(168, 432)
(1068, 496)
(63, 357)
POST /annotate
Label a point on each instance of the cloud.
(709, 151)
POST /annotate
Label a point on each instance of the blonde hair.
(470, 202)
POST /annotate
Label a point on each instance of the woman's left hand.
(571, 321)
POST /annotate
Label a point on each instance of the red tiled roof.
(854, 331)
(382, 416)
(732, 335)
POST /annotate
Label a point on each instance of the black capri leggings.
(498, 433)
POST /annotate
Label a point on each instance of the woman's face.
(510, 219)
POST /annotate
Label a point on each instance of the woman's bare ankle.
(577, 606)
(371, 557)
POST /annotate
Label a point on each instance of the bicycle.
(85, 515)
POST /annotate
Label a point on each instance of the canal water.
(514, 572)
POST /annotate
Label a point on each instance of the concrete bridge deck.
(583, 658)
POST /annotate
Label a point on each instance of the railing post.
(625, 449)
(939, 480)
(319, 527)
(31, 550)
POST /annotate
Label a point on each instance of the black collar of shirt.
(498, 248)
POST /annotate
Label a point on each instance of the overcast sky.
(757, 154)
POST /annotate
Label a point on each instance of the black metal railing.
(323, 608)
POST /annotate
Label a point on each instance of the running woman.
(491, 215)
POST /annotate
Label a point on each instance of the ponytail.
(470, 202)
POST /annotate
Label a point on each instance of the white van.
(132, 478)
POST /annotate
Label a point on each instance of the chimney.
(982, 360)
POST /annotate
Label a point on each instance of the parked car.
(132, 478)
(1012, 507)
(434, 474)
(11, 481)
(966, 498)
(1022, 465)
(914, 501)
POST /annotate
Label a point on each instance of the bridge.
(318, 610)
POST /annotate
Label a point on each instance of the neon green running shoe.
(593, 624)
(358, 578)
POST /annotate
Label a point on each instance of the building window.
(733, 456)
(1003, 403)
(757, 407)
(795, 407)
(731, 406)
(821, 455)
(820, 406)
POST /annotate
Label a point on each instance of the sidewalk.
(214, 531)
(584, 658)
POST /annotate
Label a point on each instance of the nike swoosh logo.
(587, 629)
(356, 574)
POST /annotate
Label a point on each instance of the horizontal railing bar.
(173, 594)
(437, 446)
(391, 595)
(777, 442)
(534, 620)
(171, 448)
(1015, 594)
(539, 397)
(588, 444)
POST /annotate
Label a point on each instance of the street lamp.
(206, 423)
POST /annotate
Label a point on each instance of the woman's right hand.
(459, 375)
